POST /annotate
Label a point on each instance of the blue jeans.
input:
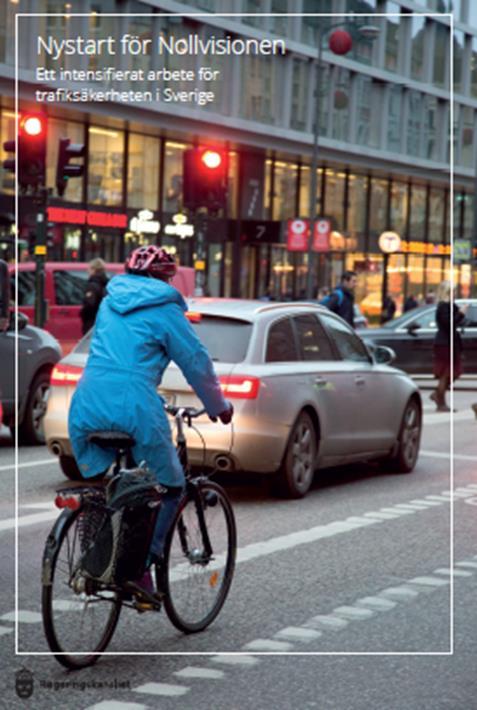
(165, 518)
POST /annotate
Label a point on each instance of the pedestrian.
(430, 298)
(341, 300)
(410, 303)
(442, 345)
(323, 292)
(389, 309)
(94, 293)
(4, 296)
(141, 327)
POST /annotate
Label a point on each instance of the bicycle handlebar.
(185, 412)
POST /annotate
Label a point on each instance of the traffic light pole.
(201, 224)
(40, 258)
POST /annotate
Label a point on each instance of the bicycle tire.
(62, 613)
(188, 583)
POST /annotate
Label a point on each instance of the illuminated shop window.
(106, 160)
(143, 171)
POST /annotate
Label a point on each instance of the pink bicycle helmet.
(151, 260)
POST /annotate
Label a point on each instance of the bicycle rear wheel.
(196, 583)
(78, 624)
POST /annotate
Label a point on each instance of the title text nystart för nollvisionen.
(133, 45)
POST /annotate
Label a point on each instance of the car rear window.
(226, 339)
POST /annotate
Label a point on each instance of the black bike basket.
(118, 550)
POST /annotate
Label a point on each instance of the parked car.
(38, 352)
(65, 284)
(306, 390)
(411, 336)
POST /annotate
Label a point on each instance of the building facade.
(385, 118)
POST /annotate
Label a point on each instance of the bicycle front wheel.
(197, 576)
(79, 617)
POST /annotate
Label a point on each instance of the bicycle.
(80, 613)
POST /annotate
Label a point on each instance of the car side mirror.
(22, 320)
(412, 328)
(383, 355)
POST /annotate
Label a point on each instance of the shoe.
(434, 397)
(445, 408)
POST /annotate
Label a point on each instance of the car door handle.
(320, 382)
(359, 380)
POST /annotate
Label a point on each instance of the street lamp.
(340, 42)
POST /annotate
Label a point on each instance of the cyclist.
(139, 329)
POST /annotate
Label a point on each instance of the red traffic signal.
(211, 159)
(205, 172)
(32, 130)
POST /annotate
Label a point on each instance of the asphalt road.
(347, 603)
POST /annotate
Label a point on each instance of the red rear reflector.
(193, 317)
(64, 375)
(71, 502)
(239, 387)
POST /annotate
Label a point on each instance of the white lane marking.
(427, 503)
(328, 622)
(429, 581)
(398, 511)
(24, 617)
(267, 645)
(9, 523)
(4, 630)
(453, 572)
(199, 672)
(297, 633)
(65, 605)
(30, 463)
(116, 705)
(402, 593)
(441, 498)
(161, 689)
(376, 603)
(353, 613)
(473, 565)
(381, 516)
(233, 660)
(446, 455)
(410, 506)
(46, 505)
(471, 501)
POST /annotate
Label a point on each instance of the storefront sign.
(144, 223)
(180, 228)
(298, 231)
(94, 219)
(389, 242)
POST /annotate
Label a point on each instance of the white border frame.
(451, 225)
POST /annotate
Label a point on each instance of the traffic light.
(31, 151)
(205, 178)
(64, 171)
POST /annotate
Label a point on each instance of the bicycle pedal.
(141, 607)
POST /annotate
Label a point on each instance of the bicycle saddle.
(111, 439)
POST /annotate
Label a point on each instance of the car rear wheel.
(31, 428)
(403, 460)
(70, 469)
(296, 473)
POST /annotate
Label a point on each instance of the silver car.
(306, 390)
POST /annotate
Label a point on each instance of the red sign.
(95, 219)
(321, 237)
(297, 234)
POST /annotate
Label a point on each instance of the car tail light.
(62, 375)
(193, 316)
(239, 386)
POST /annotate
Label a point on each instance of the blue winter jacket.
(139, 329)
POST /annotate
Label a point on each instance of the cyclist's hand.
(226, 416)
